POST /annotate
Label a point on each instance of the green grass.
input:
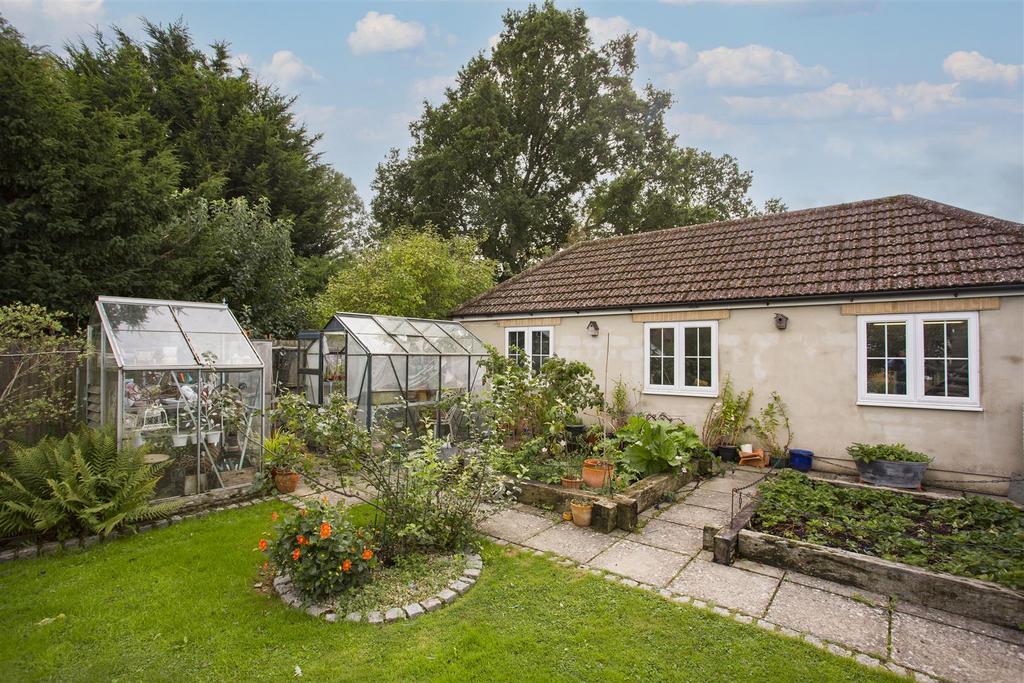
(179, 604)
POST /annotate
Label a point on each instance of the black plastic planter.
(729, 453)
(576, 431)
(894, 473)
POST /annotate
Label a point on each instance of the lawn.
(179, 604)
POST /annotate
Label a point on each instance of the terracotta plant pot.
(286, 482)
(571, 482)
(581, 513)
(597, 473)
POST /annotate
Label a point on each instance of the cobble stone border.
(470, 573)
(51, 547)
(678, 598)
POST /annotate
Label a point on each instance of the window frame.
(915, 397)
(528, 336)
(677, 388)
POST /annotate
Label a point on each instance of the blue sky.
(824, 101)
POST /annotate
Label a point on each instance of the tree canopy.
(109, 159)
(546, 139)
(411, 273)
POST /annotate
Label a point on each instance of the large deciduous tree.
(547, 139)
(410, 273)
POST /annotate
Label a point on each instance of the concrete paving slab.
(758, 568)
(727, 484)
(726, 586)
(837, 588)
(956, 654)
(675, 537)
(992, 630)
(830, 616)
(568, 540)
(694, 516)
(641, 562)
(514, 525)
(716, 500)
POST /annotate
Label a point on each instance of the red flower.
(325, 530)
(301, 539)
(346, 565)
(367, 554)
(295, 554)
(263, 544)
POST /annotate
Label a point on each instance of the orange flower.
(346, 565)
(325, 530)
(367, 554)
(273, 516)
(295, 554)
(301, 539)
(263, 544)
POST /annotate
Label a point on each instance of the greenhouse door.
(311, 368)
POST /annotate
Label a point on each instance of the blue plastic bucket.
(801, 460)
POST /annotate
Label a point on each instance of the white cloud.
(698, 126)
(974, 66)
(753, 65)
(428, 88)
(493, 41)
(53, 21)
(839, 100)
(285, 68)
(385, 33)
(604, 29)
(316, 116)
(242, 60)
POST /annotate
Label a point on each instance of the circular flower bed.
(446, 578)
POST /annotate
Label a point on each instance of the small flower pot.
(597, 473)
(138, 440)
(213, 438)
(571, 482)
(581, 513)
(576, 431)
(179, 440)
(286, 482)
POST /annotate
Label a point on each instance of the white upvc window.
(535, 342)
(924, 360)
(681, 358)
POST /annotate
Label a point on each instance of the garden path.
(665, 555)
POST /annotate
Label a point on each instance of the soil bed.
(975, 537)
(411, 579)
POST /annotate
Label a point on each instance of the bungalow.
(888, 320)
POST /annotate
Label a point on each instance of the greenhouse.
(391, 368)
(182, 378)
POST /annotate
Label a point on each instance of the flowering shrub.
(322, 551)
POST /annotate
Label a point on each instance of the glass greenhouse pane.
(455, 372)
(216, 349)
(129, 316)
(359, 325)
(206, 319)
(153, 349)
(416, 344)
(395, 325)
(424, 376)
(381, 344)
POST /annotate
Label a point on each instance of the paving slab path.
(665, 555)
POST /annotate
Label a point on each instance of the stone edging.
(833, 648)
(52, 547)
(470, 573)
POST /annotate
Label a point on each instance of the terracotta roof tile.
(894, 244)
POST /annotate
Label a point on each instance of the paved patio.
(665, 555)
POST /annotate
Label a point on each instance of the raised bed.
(616, 511)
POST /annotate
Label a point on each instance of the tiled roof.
(894, 244)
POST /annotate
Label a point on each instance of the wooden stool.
(754, 458)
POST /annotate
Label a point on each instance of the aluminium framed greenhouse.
(390, 367)
(183, 378)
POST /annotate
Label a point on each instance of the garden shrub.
(896, 452)
(971, 536)
(654, 446)
(322, 551)
(79, 484)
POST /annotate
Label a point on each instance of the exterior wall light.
(593, 329)
(781, 321)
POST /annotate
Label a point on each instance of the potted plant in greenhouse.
(582, 511)
(285, 455)
(892, 465)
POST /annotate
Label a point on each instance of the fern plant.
(79, 484)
